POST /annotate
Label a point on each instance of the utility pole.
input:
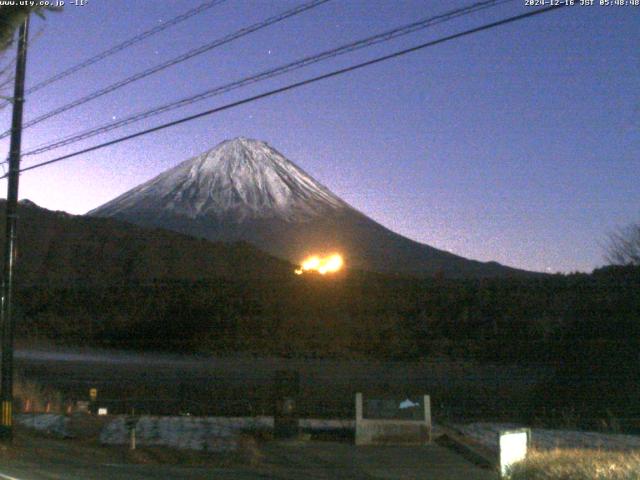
(6, 319)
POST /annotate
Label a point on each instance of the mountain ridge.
(58, 248)
(245, 190)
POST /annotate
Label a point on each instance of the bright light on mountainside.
(322, 265)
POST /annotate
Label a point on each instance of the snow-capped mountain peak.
(239, 179)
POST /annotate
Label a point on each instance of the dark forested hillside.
(356, 314)
(101, 282)
(58, 249)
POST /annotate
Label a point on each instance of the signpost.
(513, 447)
(131, 422)
(286, 390)
(93, 397)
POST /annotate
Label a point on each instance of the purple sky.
(520, 144)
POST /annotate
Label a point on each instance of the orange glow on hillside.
(322, 265)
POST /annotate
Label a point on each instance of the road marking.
(8, 477)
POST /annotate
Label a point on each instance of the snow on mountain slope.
(240, 179)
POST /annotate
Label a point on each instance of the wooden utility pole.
(6, 318)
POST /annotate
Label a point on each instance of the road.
(36, 458)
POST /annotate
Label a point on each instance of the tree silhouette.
(11, 17)
(624, 246)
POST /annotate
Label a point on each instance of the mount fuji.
(245, 190)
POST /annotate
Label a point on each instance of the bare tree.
(11, 17)
(623, 247)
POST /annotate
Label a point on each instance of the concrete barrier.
(376, 431)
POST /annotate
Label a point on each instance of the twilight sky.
(520, 144)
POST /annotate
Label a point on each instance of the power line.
(6, 76)
(309, 60)
(121, 46)
(296, 85)
(181, 58)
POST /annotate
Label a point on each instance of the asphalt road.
(311, 460)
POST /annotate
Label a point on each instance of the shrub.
(31, 397)
(577, 465)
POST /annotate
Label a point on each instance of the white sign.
(513, 447)
(408, 404)
(102, 411)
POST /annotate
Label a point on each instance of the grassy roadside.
(577, 465)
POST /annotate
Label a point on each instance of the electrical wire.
(289, 67)
(181, 58)
(122, 46)
(298, 84)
